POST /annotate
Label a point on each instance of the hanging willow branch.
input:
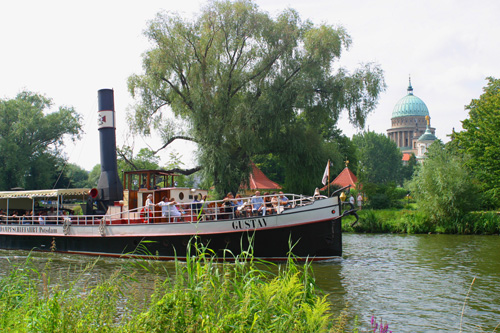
(185, 172)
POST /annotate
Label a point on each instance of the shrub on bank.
(413, 221)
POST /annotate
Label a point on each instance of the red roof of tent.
(346, 177)
(258, 180)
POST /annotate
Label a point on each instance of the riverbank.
(202, 295)
(412, 221)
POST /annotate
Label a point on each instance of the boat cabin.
(137, 185)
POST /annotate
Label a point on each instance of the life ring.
(145, 215)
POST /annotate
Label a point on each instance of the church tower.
(408, 122)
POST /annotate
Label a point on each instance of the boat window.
(181, 196)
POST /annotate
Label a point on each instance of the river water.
(415, 283)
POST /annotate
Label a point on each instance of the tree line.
(249, 87)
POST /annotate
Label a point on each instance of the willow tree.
(248, 84)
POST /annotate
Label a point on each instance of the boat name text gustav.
(249, 224)
(28, 229)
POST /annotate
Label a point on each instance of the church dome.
(410, 105)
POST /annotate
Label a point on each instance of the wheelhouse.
(137, 185)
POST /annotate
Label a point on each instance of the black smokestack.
(109, 186)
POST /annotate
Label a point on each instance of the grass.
(411, 221)
(202, 296)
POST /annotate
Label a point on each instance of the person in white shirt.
(169, 208)
(41, 219)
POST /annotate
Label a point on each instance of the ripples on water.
(416, 283)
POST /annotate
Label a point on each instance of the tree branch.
(122, 155)
(186, 172)
(172, 139)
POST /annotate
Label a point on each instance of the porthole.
(181, 196)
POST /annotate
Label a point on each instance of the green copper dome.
(410, 105)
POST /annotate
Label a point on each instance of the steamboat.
(147, 216)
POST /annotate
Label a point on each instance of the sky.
(68, 50)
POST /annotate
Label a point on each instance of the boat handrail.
(212, 210)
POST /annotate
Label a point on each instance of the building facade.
(409, 123)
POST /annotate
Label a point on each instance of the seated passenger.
(257, 204)
(229, 206)
(284, 202)
(269, 210)
(277, 208)
(169, 209)
(240, 204)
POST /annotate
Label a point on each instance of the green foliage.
(144, 160)
(412, 221)
(379, 158)
(29, 302)
(248, 84)
(481, 223)
(405, 221)
(443, 187)
(31, 135)
(202, 296)
(73, 176)
(94, 175)
(370, 222)
(382, 196)
(480, 139)
(409, 169)
(271, 166)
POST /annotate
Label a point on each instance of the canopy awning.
(70, 192)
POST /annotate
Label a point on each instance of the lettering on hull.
(249, 224)
(28, 229)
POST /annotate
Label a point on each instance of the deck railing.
(189, 212)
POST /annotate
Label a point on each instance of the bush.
(370, 221)
(443, 187)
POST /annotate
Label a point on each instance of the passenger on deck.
(41, 218)
(149, 202)
(269, 210)
(203, 207)
(240, 205)
(169, 209)
(276, 204)
(15, 217)
(51, 216)
(66, 217)
(27, 217)
(195, 205)
(257, 204)
(229, 206)
(284, 202)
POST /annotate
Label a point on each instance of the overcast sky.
(68, 50)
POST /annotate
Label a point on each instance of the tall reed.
(202, 295)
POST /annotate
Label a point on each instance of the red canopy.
(259, 181)
(346, 177)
